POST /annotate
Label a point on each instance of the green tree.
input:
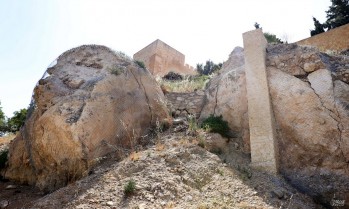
(338, 14)
(3, 124)
(200, 68)
(271, 38)
(209, 68)
(319, 28)
(17, 121)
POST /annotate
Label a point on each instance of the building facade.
(160, 59)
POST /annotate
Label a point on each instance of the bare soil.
(175, 172)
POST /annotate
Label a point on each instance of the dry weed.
(183, 141)
(7, 139)
(134, 156)
(170, 205)
(159, 147)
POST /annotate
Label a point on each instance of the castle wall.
(161, 59)
(145, 55)
(333, 40)
(184, 104)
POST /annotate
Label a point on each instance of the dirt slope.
(177, 173)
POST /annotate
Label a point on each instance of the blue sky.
(35, 32)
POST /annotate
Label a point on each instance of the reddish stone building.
(161, 59)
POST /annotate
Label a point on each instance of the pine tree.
(338, 14)
(271, 38)
(319, 28)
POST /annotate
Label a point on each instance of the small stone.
(110, 203)
(309, 67)
(76, 83)
(279, 193)
(4, 203)
(183, 114)
(180, 99)
(178, 121)
(142, 206)
(189, 198)
(11, 187)
(200, 92)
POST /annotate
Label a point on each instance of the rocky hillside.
(309, 93)
(177, 173)
(94, 128)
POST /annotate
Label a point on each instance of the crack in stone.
(215, 106)
(140, 84)
(335, 119)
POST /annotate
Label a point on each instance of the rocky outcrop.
(226, 96)
(312, 118)
(92, 102)
(309, 94)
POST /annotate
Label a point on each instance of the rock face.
(226, 96)
(312, 115)
(310, 96)
(93, 102)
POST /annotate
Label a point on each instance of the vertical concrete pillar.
(261, 120)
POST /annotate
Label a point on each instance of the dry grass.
(170, 205)
(7, 139)
(184, 142)
(245, 205)
(159, 147)
(134, 156)
(185, 85)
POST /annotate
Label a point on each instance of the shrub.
(200, 78)
(3, 125)
(3, 158)
(116, 70)
(202, 142)
(130, 187)
(140, 64)
(17, 121)
(216, 124)
(172, 76)
(216, 150)
(271, 38)
(209, 68)
(193, 126)
(188, 84)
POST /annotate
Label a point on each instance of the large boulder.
(92, 102)
(312, 118)
(226, 96)
(310, 99)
